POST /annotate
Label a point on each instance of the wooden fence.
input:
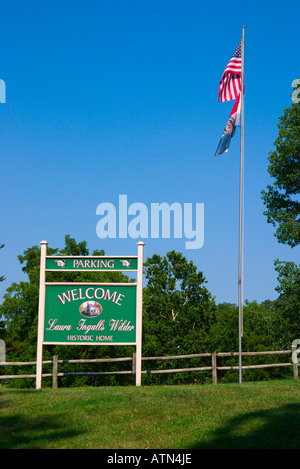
(214, 368)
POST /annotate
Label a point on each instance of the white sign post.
(41, 317)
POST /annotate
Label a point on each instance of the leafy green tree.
(288, 303)
(19, 310)
(178, 310)
(260, 326)
(282, 198)
(262, 331)
(224, 330)
(283, 211)
(178, 306)
(2, 278)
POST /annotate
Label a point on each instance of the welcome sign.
(90, 313)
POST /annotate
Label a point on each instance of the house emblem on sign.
(125, 263)
(60, 263)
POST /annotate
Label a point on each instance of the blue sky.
(115, 97)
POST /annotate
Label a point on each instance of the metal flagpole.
(240, 281)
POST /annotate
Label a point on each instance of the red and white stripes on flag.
(230, 84)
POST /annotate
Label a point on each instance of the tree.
(2, 278)
(262, 330)
(283, 211)
(288, 303)
(282, 198)
(178, 310)
(177, 305)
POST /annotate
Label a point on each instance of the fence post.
(134, 369)
(214, 366)
(54, 372)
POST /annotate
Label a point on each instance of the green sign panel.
(90, 314)
(95, 263)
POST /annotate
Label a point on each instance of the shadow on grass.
(276, 428)
(34, 433)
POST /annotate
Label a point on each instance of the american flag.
(230, 84)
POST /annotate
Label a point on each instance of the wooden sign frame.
(84, 264)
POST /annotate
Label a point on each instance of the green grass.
(250, 415)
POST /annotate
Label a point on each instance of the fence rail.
(214, 368)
